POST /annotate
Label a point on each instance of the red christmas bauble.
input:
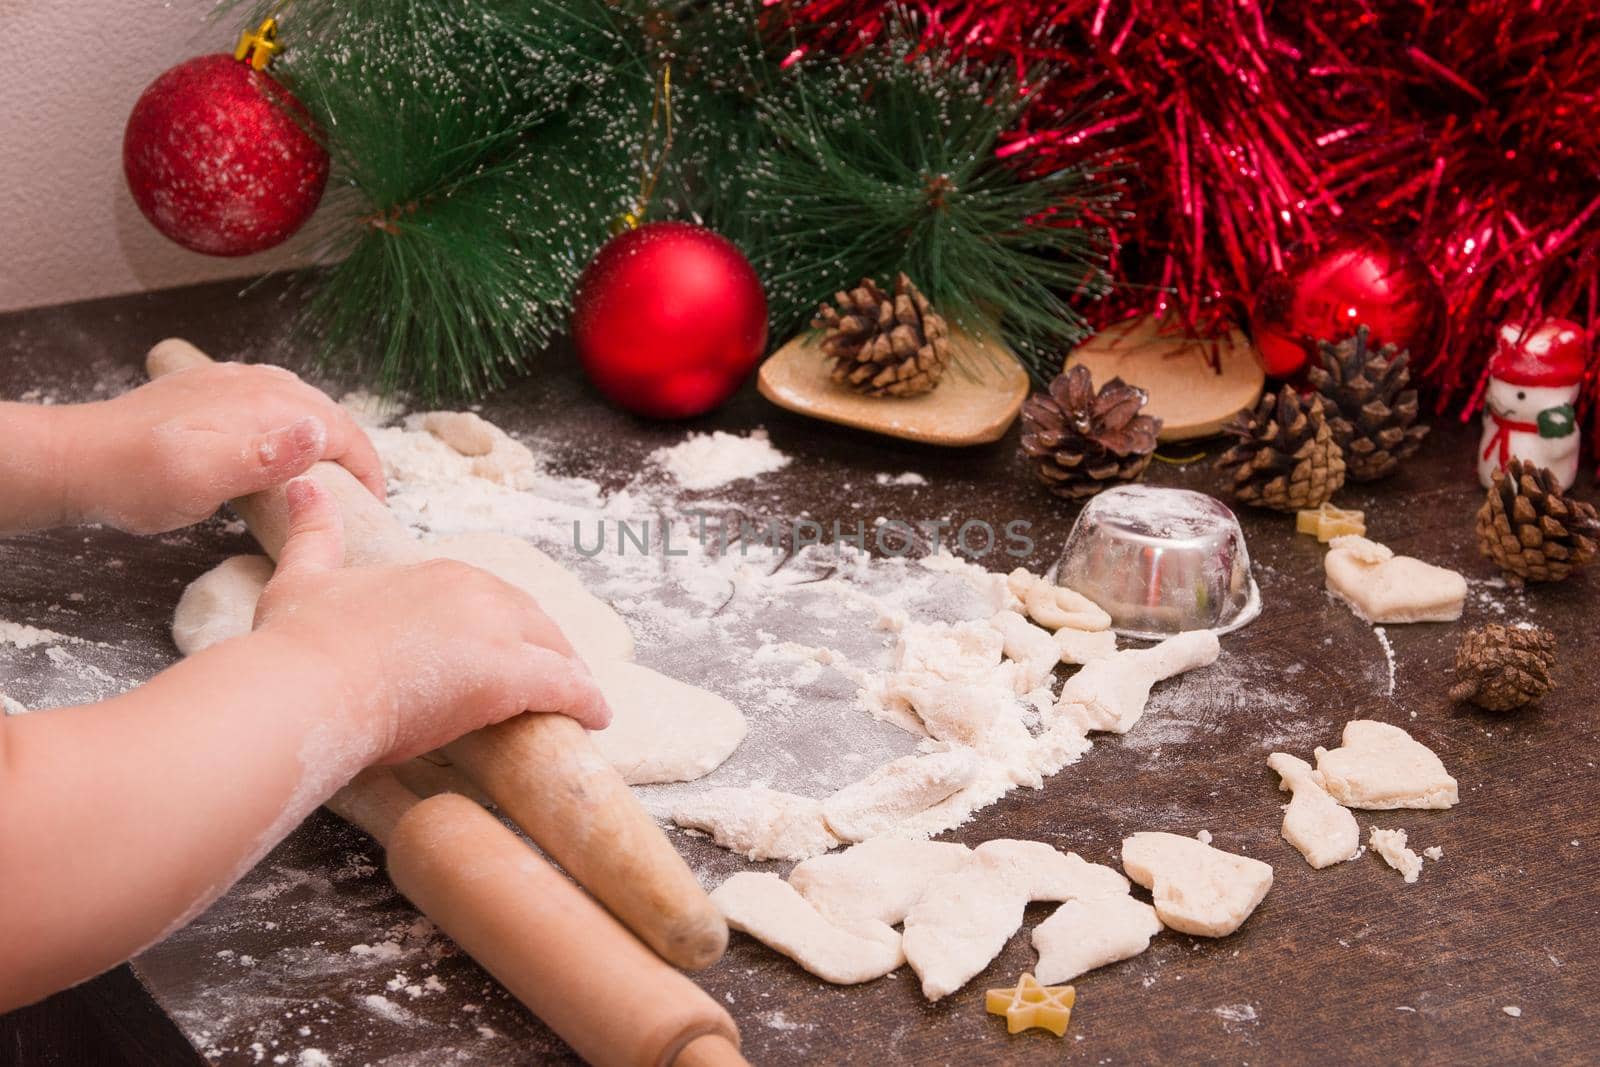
(1353, 280)
(669, 319)
(219, 158)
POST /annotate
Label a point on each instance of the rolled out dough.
(769, 910)
(1084, 934)
(1378, 766)
(1197, 889)
(1320, 827)
(662, 730)
(220, 604)
(595, 630)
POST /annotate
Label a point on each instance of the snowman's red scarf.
(1503, 429)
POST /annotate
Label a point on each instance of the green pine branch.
(480, 151)
(834, 170)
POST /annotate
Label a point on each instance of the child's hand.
(426, 652)
(169, 453)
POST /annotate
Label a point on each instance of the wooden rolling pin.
(540, 769)
(552, 947)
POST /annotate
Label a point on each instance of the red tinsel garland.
(1469, 130)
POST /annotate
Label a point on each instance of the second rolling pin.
(558, 952)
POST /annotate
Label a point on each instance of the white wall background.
(70, 71)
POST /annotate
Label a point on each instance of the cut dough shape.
(1032, 649)
(662, 730)
(1056, 607)
(959, 925)
(594, 629)
(758, 823)
(220, 604)
(1111, 692)
(1313, 822)
(879, 879)
(1082, 646)
(1381, 587)
(965, 918)
(1379, 767)
(1041, 872)
(769, 910)
(1391, 845)
(1084, 934)
(897, 790)
(1196, 888)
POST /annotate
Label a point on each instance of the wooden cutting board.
(1190, 397)
(975, 402)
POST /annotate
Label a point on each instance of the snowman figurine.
(1528, 409)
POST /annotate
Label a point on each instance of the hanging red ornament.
(668, 319)
(1352, 280)
(220, 157)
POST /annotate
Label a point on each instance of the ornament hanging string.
(652, 160)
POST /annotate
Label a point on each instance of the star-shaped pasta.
(1033, 1005)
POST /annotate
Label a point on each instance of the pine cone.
(1531, 529)
(1504, 667)
(1285, 457)
(1372, 413)
(1080, 441)
(884, 345)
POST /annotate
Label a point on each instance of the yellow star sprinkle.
(1032, 1004)
(1328, 522)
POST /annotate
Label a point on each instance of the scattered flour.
(1388, 653)
(905, 478)
(24, 636)
(384, 1008)
(706, 461)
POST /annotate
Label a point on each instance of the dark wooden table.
(1346, 965)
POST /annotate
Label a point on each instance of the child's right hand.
(425, 652)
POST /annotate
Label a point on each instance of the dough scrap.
(1055, 607)
(1379, 767)
(1323, 830)
(467, 433)
(1041, 872)
(758, 823)
(592, 626)
(1083, 646)
(769, 910)
(964, 919)
(1391, 845)
(974, 716)
(897, 790)
(879, 879)
(1196, 888)
(663, 730)
(1381, 587)
(1034, 650)
(220, 604)
(1110, 694)
(959, 925)
(1084, 934)
(496, 456)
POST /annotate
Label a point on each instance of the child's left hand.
(169, 453)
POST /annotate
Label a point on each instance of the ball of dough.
(220, 604)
